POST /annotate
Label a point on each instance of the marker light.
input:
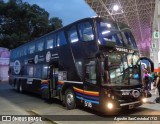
(109, 105)
(144, 100)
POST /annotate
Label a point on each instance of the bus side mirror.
(149, 60)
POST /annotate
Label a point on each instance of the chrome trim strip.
(72, 82)
(124, 104)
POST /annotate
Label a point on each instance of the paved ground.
(14, 103)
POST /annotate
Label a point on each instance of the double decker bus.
(93, 62)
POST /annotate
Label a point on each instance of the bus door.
(91, 88)
(53, 77)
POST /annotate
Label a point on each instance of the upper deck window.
(40, 46)
(86, 32)
(21, 52)
(49, 43)
(109, 32)
(61, 40)
(31, 48)
(25, 51)
(72, 34)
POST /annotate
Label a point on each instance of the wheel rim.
(70, 98)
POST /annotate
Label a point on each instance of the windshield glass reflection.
(121, 69)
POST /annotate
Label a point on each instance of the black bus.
(93, 62)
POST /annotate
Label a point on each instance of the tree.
(21, 22)
(55, 23)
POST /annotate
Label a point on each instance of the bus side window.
(54, 40)
(61, 40)
(40, 45)
(72, 35)
(25, 51)
(49, 43)
(79, 68)
(91, 72)
(30, 71)
(86, 32)
(37, 71)
(31, 48)
(45, 72)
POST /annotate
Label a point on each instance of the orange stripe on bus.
(91, 93)
(78, 90)
(60, 82)
(44, 82)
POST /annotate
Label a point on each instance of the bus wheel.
(69, 99)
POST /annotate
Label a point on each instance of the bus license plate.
(131, 106)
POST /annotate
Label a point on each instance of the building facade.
(155, 44)
(4, 63)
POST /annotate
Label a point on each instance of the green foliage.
(21, 22)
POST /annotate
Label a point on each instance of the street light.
(115, 7)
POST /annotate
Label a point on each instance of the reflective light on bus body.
(108, 25)
(74, 40)
(106, 32)
(99, 42)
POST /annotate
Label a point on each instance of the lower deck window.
(91, 72)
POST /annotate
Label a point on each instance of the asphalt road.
(14, 103)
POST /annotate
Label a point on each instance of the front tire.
(69, 99)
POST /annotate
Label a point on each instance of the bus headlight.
(144, 100)
(109, 105)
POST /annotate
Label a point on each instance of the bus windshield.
(116, 32)
(121, 69)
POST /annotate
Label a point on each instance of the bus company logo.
(36, 59)
(135, 93)
(17, 67)
(48, 56)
